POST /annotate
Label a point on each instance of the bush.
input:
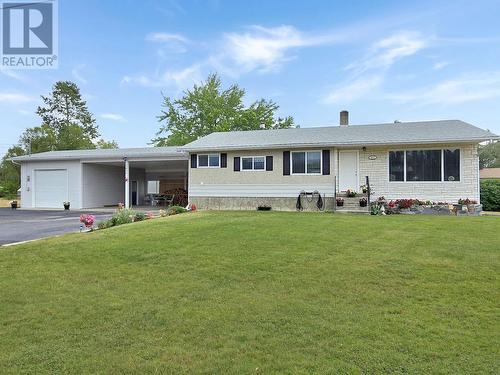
(174, 210)
(140, 216)
(105, 224)
(124, 216)
(490, 195)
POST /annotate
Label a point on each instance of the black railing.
(334, 193)
(368, 190)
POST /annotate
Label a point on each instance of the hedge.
(490, 195)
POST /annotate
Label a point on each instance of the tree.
(207, 108)
(9, 173)
(102, 144)
(67, 124)
(489, 155)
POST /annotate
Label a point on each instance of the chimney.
(344, 118)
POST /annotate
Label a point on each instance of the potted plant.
(364, 189)
(87, 220)
(339, 202)
(363, 202)
(66, 205)
(350, 193)
(13, 205)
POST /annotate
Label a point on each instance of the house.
(428, 160)
(489, 173)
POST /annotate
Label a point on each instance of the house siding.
(378, 172)
(223, 188)
(74, 171)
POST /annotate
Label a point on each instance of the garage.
(51, 188)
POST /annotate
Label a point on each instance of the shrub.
(490, 195)
(105, 224)
(139, 216)
(123, 216)
(174, 210)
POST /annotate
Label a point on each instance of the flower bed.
(416, 206)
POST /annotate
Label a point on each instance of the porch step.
(358, 195)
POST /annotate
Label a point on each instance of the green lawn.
(251, 292)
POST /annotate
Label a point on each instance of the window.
(452, 165)
(253, 163)
(153, 187)
(424, 165)
(208, 160)
(306, 162)
(396, 165)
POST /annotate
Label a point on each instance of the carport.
(100, 178)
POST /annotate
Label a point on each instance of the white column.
(127, 184)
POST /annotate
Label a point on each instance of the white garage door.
(51, 188)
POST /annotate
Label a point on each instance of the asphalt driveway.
(23, 225)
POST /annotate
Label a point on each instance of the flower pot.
(13, 205)
(363, 203)
(66, 206)
(340, 203)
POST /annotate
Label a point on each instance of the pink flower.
(87, 220)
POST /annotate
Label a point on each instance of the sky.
(380, 60)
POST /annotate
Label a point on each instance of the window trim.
(305, 162)
(208, 155)
(253, 164)
(460, 164)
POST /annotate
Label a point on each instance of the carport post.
(127, 185)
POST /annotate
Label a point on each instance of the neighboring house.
(489, 173)
(429, 160)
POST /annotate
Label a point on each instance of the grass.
(256, 292)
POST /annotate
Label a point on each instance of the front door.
(133, 193)
(348, 170)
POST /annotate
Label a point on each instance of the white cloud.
(113, 117)
(76, 72)
(165, 37)
(466, 88)
(12, 74)
(179, 79)
(356, 89)
(265, 49)
(385, 52)
(14, 98)
(440, 65)
(168, 43)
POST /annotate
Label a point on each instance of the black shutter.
(194, 160)
(286, 163)
(269, 163)
(326, 162)
(223, 160)
(236, 162)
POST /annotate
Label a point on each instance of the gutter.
(332, 144)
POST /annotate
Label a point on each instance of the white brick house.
(430, 160)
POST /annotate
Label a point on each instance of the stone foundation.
(245, 203)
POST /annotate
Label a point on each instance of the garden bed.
(465, 207)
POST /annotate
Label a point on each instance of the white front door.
(348, 170)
